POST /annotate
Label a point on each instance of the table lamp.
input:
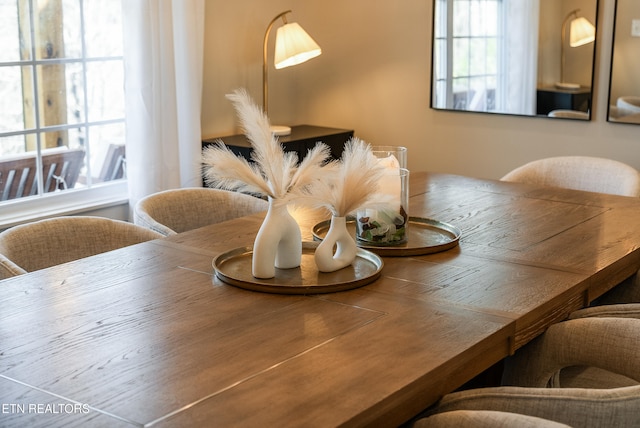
(581, 32)
(293, 46)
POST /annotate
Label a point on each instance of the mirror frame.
(592, 79)
(613, 114)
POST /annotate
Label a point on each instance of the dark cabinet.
(552, 98)
(302, 139)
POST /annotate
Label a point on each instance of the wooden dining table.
(147, 335)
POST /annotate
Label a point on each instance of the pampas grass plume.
(352, 183)
(274, 172)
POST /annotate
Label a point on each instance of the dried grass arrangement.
(274, 174)
(353, 183)
(341, 187)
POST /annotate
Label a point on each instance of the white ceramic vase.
(338, 238)
(278, 243)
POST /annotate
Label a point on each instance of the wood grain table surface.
(148, 336)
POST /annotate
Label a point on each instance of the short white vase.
(278, 243)
(338, 238)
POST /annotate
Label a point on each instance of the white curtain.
(163, 56)
(521, 25)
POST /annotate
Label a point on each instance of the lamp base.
(280, 130)
(565, 85)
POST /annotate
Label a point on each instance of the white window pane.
(103, 17)
(11, 145)
(11, 106)
(105, 83)
(75, 93)
(9, 40)
(72, 28)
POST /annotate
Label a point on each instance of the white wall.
(374, 77)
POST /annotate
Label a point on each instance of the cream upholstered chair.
(45, 243)
(591, 174)
(629, 103)
(178, 210)
(574, 407)
(8, 268)
(611, 344)
(581, 376)
(569, 114)
(484, 419)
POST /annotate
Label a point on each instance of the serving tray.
(424, 236)
(234, 268)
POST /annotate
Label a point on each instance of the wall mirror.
(624, 87)
(516, 57)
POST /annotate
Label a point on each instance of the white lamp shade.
(581, 32)
(294, 46)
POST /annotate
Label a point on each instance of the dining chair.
(41, 244)
(178, 210)
(591, 174)
(590, 376)
(629, 103)
(611, 344)
(8, 268)
(485, 419)
(537, 407)
(569, 114)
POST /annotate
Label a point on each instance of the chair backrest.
(576, 407)
(114, 166)
(18, 177)
(586, 173)
(45, 243)
(484, 419)
(630, 104)
(178, 210)
(569, 114)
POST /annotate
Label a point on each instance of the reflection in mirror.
(624, 88)
(519, 57)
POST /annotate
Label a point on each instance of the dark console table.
(302, 139)
(552, 98)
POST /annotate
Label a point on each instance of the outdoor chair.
(60, 170)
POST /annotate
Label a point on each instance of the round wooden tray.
(425, 236)
(234, 267)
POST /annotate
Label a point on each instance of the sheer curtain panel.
(163, 54)
(521, 22)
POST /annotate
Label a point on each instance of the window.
(467, 78)
(62, 127)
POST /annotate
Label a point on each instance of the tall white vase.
(338, 238)
(278, 243)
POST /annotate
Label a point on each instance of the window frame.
(75, 200)
(443, 96)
